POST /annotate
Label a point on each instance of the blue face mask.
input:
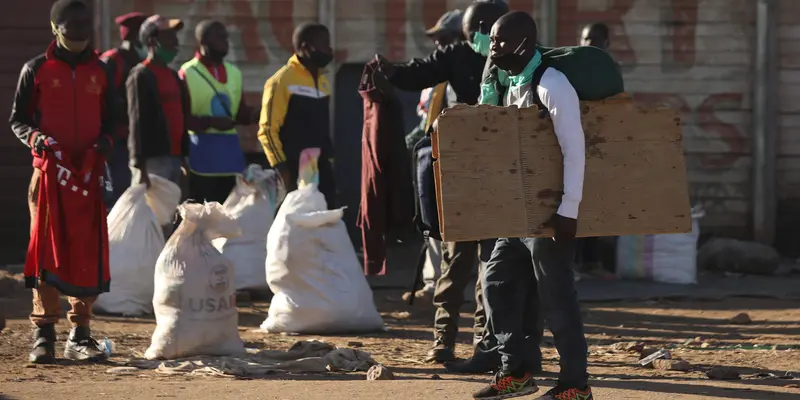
(481, 43)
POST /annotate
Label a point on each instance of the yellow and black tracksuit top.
(294, 115)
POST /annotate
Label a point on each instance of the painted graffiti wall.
(695, 55)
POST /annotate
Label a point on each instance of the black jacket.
(120, 61)
(147, 123)
(456, 63)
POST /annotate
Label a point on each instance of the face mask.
(508, 61)
(141, 51)
(320, 59)
(213, 54)
(165, 55)
(481, 43)
(73, 46)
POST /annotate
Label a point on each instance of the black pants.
(327, 184)
(553, 278)
(511, 263)
(458, 265)
(210, 188)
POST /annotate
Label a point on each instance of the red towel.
(69, 243)
(387, 197)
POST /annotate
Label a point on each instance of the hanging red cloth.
(387, 197)
(69, 240)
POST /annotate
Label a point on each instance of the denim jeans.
(553, 278)
(510, 263)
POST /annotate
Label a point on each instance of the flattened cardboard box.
(499, 171)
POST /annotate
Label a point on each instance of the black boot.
(81, 347)
(44, 345)
(443, 350)
(472, 365)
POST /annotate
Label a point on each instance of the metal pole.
(549, 32)
(765, 116)
(327, 16)
(105, 23)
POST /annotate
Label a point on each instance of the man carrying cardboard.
(533, 82)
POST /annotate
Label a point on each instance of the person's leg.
(556, 284)
(327, 182)
(533, 326)
(199, 187)
(166, 167)
(589, 254)
(46, 305)
(80, 345)
(212, 188)
(120, 173)
(485, 248)
(433, 265)
(486, 357)
(507, 283)
(458, 262)
(46, 308)
(507, 280)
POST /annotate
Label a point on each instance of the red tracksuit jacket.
(69, 244)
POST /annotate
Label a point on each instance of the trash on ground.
(723, 373)
(647, 361)
(379, 373)
(741, 319)
(672, 365)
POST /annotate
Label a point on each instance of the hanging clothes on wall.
(387, 197)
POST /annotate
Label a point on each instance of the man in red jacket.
(63, 110)
(119, 62)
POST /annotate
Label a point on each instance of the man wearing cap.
(120, 61)
(217, 106)
(63, 110)
(446, 32)
(431, 101)
(461, 64)
(158, 107)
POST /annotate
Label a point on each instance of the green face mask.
(480, 43)
(165, 55)
(141, 51)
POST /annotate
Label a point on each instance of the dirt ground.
(775, 328)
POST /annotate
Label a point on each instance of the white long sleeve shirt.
(558, 95)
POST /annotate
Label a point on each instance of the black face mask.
(320, 59)
(509, 61)
(215, 54)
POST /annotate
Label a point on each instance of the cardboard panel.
(501, 171)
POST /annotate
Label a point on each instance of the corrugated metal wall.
(24, 33)
(788, 175)
(694, 54)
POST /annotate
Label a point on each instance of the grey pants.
(458, 265)
(167, 167)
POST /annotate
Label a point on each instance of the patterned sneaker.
(506, 386)
(558, 393)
